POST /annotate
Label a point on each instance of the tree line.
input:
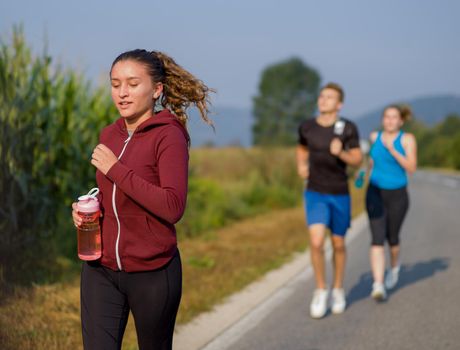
(438, 146)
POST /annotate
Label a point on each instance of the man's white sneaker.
(318, 306)
(378, 292)
(392, 277)
(338, 303)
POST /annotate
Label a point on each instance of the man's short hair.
(336, 87)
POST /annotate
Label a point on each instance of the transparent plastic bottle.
(89, 232)
(359, 181)
(339, 127)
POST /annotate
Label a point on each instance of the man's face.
(329, 101)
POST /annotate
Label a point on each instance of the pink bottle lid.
(88, 203)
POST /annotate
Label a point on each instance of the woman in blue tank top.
(393, 154)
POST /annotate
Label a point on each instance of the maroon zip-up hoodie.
(144, 193)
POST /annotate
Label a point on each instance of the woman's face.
(392, 120)
(132, 89)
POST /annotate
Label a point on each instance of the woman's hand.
(77, 220)
(103, 158)
(388, 144)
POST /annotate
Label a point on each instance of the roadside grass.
(231, 184)
(214, 266)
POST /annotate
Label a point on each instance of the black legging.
(107, 296)
(386, 210)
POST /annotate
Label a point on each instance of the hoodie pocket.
(137, 239)
(109, 229)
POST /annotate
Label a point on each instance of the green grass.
(230, 184)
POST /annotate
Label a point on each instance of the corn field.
(49, 123)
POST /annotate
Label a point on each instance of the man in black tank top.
(327, 144)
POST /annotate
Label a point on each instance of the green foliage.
(287, 96)
(438, 146)
(456, 151)
(211, 205)
(203, 262)
(270, 196)
(450, 127)
(49, 123)
(226, 185)
(207, 207)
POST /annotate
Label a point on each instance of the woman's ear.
(157, 90)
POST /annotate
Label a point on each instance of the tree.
(450, 126)
(438, 146)
(287, 95)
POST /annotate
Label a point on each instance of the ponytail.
(405, 111)
(181, 89)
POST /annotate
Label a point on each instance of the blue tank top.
(387, 173)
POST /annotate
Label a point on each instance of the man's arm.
(302, 161)
(353, 157)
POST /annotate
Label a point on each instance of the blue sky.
(380, 51)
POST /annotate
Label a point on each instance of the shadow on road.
(408, 275)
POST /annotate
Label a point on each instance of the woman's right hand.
(77, 220)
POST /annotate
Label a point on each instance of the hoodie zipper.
(115, 208)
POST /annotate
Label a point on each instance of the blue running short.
(332, 210)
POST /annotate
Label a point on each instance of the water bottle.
(89, 232)
(360, 179)
(339, 127)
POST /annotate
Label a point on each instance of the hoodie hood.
(164, 117)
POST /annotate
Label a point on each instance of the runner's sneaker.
(378, 292)
(392, 277)
(318, 306)
(338, 301)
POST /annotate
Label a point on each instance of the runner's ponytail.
(404, 110)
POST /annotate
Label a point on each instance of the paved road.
(423, 312)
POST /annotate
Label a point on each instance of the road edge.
(208, 326)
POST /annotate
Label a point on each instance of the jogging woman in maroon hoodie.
(142, 169)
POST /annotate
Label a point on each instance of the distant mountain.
(233, 127)
(429, 110)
